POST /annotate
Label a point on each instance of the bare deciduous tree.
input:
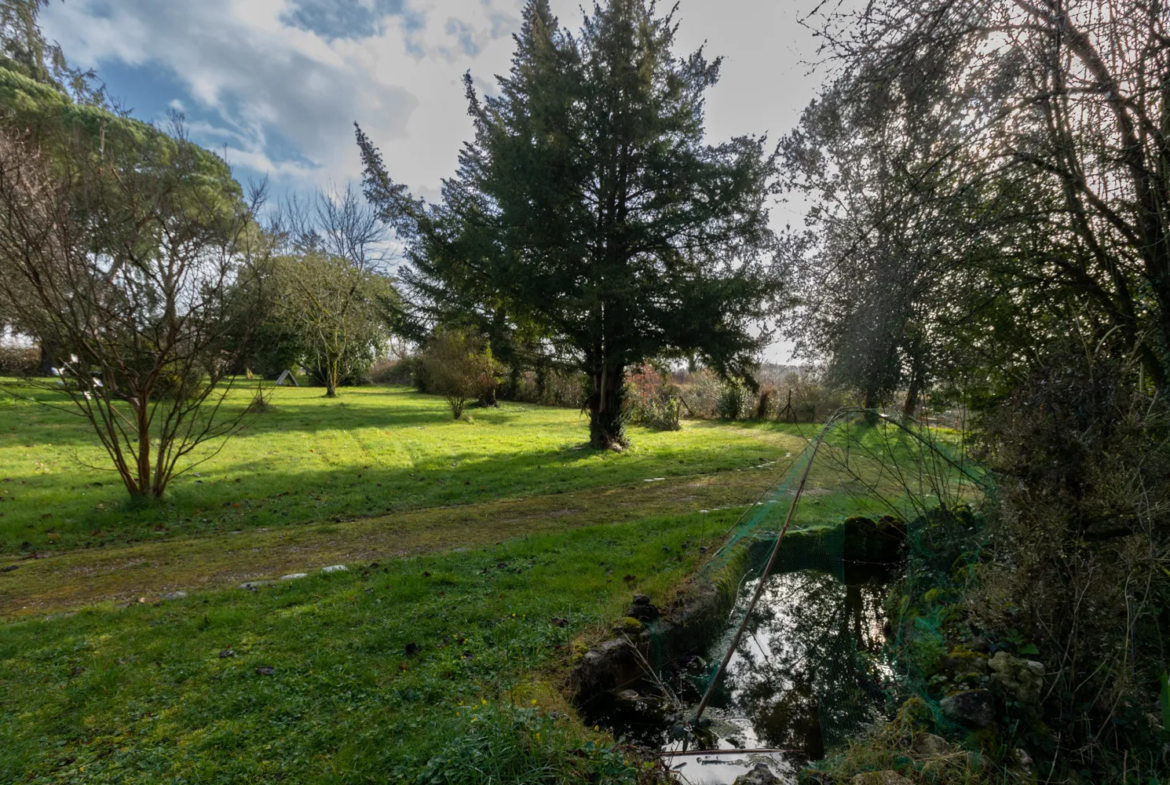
(125, 254)
(332, 286)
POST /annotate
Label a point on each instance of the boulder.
(759, 774)
(880, 778)
(1022, 680)
(874, 542)
(609, 665)
(960, 662)
(973, 708)
(928, 745)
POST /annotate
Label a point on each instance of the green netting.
(884, 499)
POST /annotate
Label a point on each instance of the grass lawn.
(376, 451)
(429, 669)
(481, 556)
(498, 544)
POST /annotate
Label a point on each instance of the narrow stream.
(806, 674)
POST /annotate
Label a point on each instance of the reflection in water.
(804, 676)
(805, 673)
(801, 675)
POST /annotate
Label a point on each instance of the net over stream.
(801, 654)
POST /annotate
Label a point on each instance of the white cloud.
(281, 98)
(285, 98)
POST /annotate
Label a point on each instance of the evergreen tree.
(590, 205)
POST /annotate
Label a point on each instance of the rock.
(628, 696)
(254, 585)
(1023, 760)
(609, 665)
(870, 541)
(629, 626)
(760, 774)
(961, 662)
(929, 745)
(980, 644)
(294, 576)
(880, 778)
(223, 655)
(642, 609)
(973, 708)
(174, 595)
(265, 670)
(335, 568)
(1016, 678)
(10, 568)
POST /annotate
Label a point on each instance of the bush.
(19, 360)
(407, 370)
(651, 400)
(551, 387)
(811, 400)
(699, 393)
(733, 401)
(460, 367)
(1080, 551)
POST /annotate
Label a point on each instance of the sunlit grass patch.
(375, 451)
(377, 671)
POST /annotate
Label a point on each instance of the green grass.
(515, 524)
(375, 451)
(142, 694)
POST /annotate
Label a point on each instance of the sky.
(276, 85)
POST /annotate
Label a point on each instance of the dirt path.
(85, 577)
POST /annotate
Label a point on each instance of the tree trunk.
(331, 380)
(48, 358)
(605, 408)
(145, 486)
(913, 391)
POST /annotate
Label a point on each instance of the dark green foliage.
(733, 400)
(590, 207)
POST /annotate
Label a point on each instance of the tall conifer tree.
(590, 204)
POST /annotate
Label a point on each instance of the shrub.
(651, 400)
(460, 367)
(700, 393)
(802, 397)
(550, 387)
(406, 370)
(1081, 547)
(733, 400)
(19, 360)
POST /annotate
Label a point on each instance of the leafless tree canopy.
(1058, 115)
(331, 280)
